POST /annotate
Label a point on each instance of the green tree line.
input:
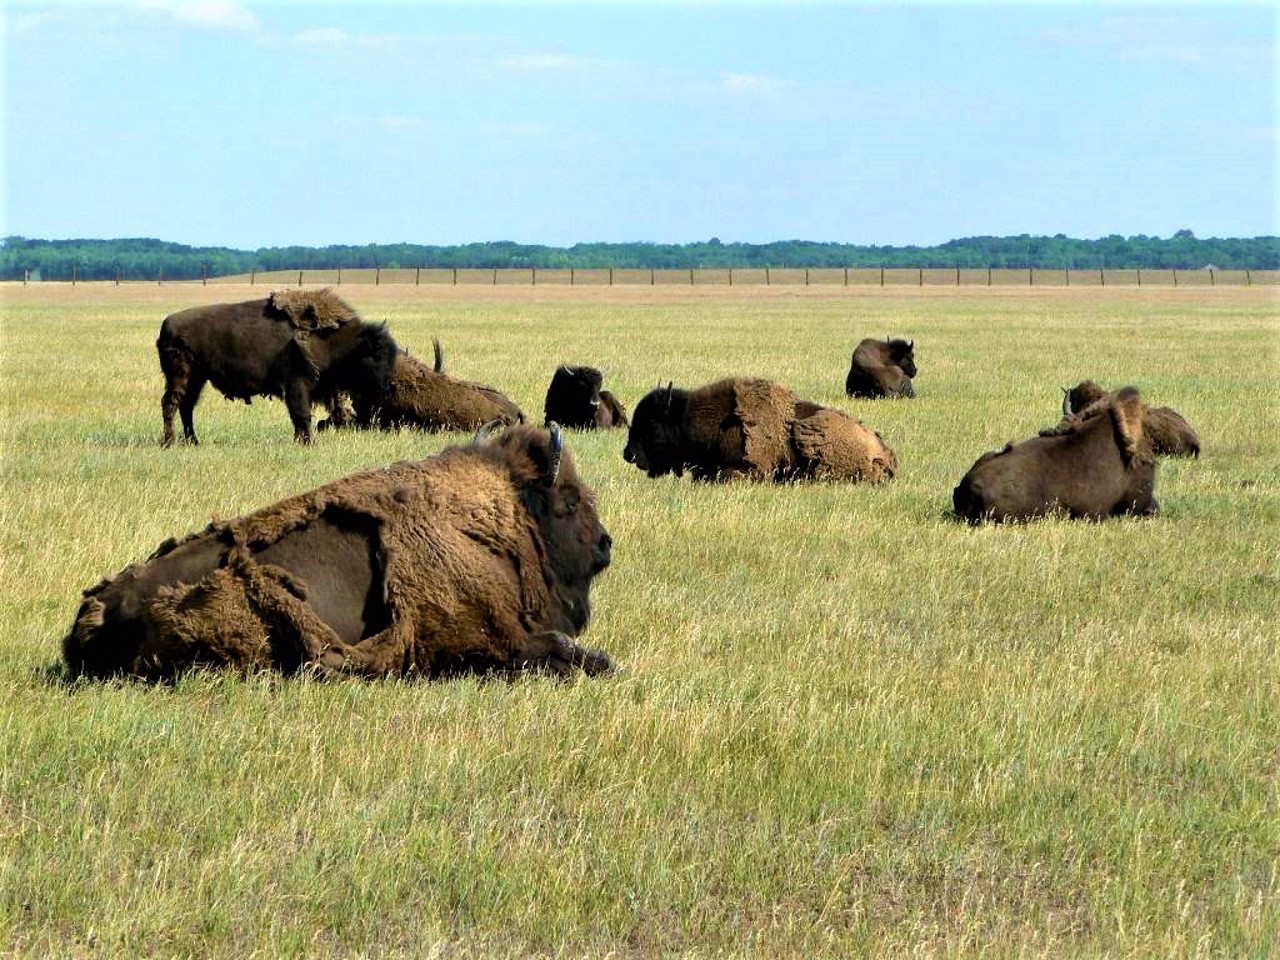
(147, 259)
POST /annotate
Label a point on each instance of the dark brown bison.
(427, 398)
(755, 429)
(479, 558)
(882, 368)
(299, 345)
(1097, 466)
(575, 399)
(1169, 431)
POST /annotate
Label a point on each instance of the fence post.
(767, 281)
(339, 276)
(253, 277)
(806, 276)
(691, 276)
(573, 276)
(417, 275)
(1031, 276)
(1248, 278)
(160, 281)
(957, 276)
(117, 277)
(1139, 276)
(533, 276)
(26, 275)
(1102, 276)
(882, 276)
(73, 274)
(1175, 276)
(1213, 279)
(988, 276)
(611, 276)
(495, 276)
(731, 276)
(920, 270)
(299, 278)
(455, 276)
(652, 281)
(204, 276)
(846, 276)
(377, 276)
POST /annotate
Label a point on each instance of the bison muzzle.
(477, 559)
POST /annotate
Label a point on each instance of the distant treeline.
(140, 259)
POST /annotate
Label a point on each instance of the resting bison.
(575, 399)
(1096, 466)
(1170, 433)
(299, 345)
(755, 429)
(882, 368)
(424, 398)
(479, 558)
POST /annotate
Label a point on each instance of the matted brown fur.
(423, 398)
(752, 428)
(1170, 433)
(480, 557)
(1097, 465)
(313, 309)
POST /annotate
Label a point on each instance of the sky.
(260, 124)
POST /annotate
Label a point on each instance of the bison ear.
(666, 402)
(911, 345)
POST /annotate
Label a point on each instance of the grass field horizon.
(846, 725)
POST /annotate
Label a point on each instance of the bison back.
(833, 445)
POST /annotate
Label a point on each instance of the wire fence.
(724, 277)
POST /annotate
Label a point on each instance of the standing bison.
(426, 398)
(1097, 466)
(882, 368)
(299, 345)
(754, 429)
(1169, 431)
(479, 558)
(575, 399)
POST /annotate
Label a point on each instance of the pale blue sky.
(266, 124)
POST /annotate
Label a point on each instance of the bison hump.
(311, 310)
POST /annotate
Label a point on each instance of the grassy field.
(848, 725)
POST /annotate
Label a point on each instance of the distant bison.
(427, 398)
(1169, 431)
(882, 368)
(479, 558)
(296, 344)
(575, 399)
(754, 429)
(1097, 466)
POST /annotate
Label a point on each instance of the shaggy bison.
(427, 398)
(1095, 466)
(575, 399)
(479, 558)
(296, 344)
(755, 429)
(882, 368)
(1169, 431)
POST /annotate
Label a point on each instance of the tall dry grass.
(847, 726)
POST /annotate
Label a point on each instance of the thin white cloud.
(205, 14)
(748, 83)
(549, 62)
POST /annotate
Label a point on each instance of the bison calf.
(479, 558)
(1099, 466)
(299, 345)
(1171, 435)
(755, 429)
(882, 368)
(575, 399)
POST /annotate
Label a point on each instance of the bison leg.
(182, 386)
(557, 653)
(297, 398)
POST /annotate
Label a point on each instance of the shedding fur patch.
(313, 309)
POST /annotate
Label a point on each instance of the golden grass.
(848, 726)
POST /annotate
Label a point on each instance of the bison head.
(573, 398)
(360, 364)
(902, 352)
(564, 509)
(657, 431)
(1083, 394)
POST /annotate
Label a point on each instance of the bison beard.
(1096, 467)
(477, 559)
(299, 345)
(754, 429)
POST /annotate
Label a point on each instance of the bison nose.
(628, 455)
(604, 550)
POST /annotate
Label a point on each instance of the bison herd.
(481, 558)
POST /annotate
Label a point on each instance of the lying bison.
(755, 429)
(479, 558)
(426, 398)
(882, 368)
(296, 344)
(1169, 431)
(1097, 466)
(574, 399)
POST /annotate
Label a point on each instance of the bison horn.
(1066, 401)
(557, 447)
(911, 344)
(667, 401)
(435, 342)
(488, 430)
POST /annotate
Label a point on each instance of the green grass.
(847, 724)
